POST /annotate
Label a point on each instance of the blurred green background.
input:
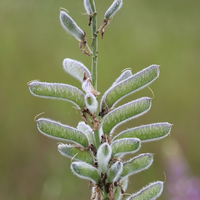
(33, 45)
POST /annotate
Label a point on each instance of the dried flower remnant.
(112, 10)
(73, 29)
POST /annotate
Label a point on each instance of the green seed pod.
(88, 7)
(71, 27)
(86, 171)
(76, 153)
(152, 191)
(116, 5)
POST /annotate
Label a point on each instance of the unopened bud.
(71, 27)
(103, 157)
(76, 69)
(88, 87)
(115, 171)
(91, 103)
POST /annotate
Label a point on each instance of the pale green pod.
(114, 172)
(112, 10)
(86, 171)
(88, 7)
(126, 74)
(56, 130)
(130, 85)
(150, 192)
(125, 146)
(103, 156)
(76, 69)
(71, 27)
(87, 130)
(146, 133)
(136, 165)
(71, 151)
(58, 91)
(125, 113)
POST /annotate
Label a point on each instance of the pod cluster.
(103, 165)
(96, 149)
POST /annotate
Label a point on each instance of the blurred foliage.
(33, 46)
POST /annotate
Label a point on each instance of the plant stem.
(94, 59)
(97, 139)
(94, 45)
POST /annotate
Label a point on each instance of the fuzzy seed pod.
(116, 5)
(71, 27)
(88, 7)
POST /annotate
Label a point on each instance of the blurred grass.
(33, 46)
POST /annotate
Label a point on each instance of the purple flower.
(179, 185)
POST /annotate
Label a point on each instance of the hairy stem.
(94, 45)
(97, 139)
(94, 59)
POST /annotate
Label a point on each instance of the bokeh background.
(33, 45)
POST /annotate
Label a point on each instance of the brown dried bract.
(84, 44)
(103, 112)
(103, 27)
(111, 192)
(92, 90)
(90, 19)
(96, 123)
(84, 116)
(105, 138)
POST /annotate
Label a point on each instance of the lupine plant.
(95, 148)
